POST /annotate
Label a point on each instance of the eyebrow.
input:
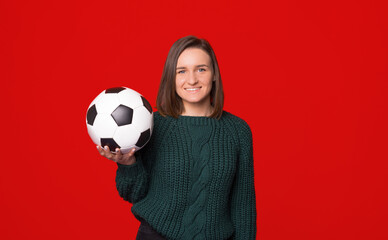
(201, 65)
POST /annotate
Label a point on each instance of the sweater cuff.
(133, 169)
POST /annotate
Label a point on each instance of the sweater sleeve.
(132, 180)
(243, 199)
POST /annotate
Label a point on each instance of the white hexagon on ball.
(107, 103)
(126, 137)
(130, 98)
(104, 126)
(142, 119)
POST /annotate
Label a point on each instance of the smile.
(192, 89)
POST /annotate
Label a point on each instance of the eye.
(201, 70)
(181, 71)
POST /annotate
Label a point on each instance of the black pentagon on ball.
(110, 143)
(143, 139)
(114, 90)
(122, 115)
(146, 104)
(91, 115)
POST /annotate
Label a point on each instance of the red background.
(310, 77)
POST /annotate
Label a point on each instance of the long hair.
(168, 102)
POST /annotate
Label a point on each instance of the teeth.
(192, 89)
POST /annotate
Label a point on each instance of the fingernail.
(106, 147)
(117, 149)
(97, 147)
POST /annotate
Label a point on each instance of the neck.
(197, 110)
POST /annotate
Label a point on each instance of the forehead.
(193, 56)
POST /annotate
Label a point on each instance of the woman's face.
(194, 77)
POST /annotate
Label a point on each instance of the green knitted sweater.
(194, 179)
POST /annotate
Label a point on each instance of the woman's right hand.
(125, 159)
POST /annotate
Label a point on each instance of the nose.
(192, 78)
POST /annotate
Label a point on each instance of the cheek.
(208, 80)
(178, 86)
(179, 81)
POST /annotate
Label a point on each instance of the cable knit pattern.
(194, 179)
(195, 216)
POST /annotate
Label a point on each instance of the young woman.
(194, 179)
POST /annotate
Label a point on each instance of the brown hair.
(168, 102)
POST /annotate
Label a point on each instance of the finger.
(118, 155)
(132, 152)
(108, 153)
(118, 152)
(100, 150)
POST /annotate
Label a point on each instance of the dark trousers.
(146, 232)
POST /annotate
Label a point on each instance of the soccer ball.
(120, 118)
